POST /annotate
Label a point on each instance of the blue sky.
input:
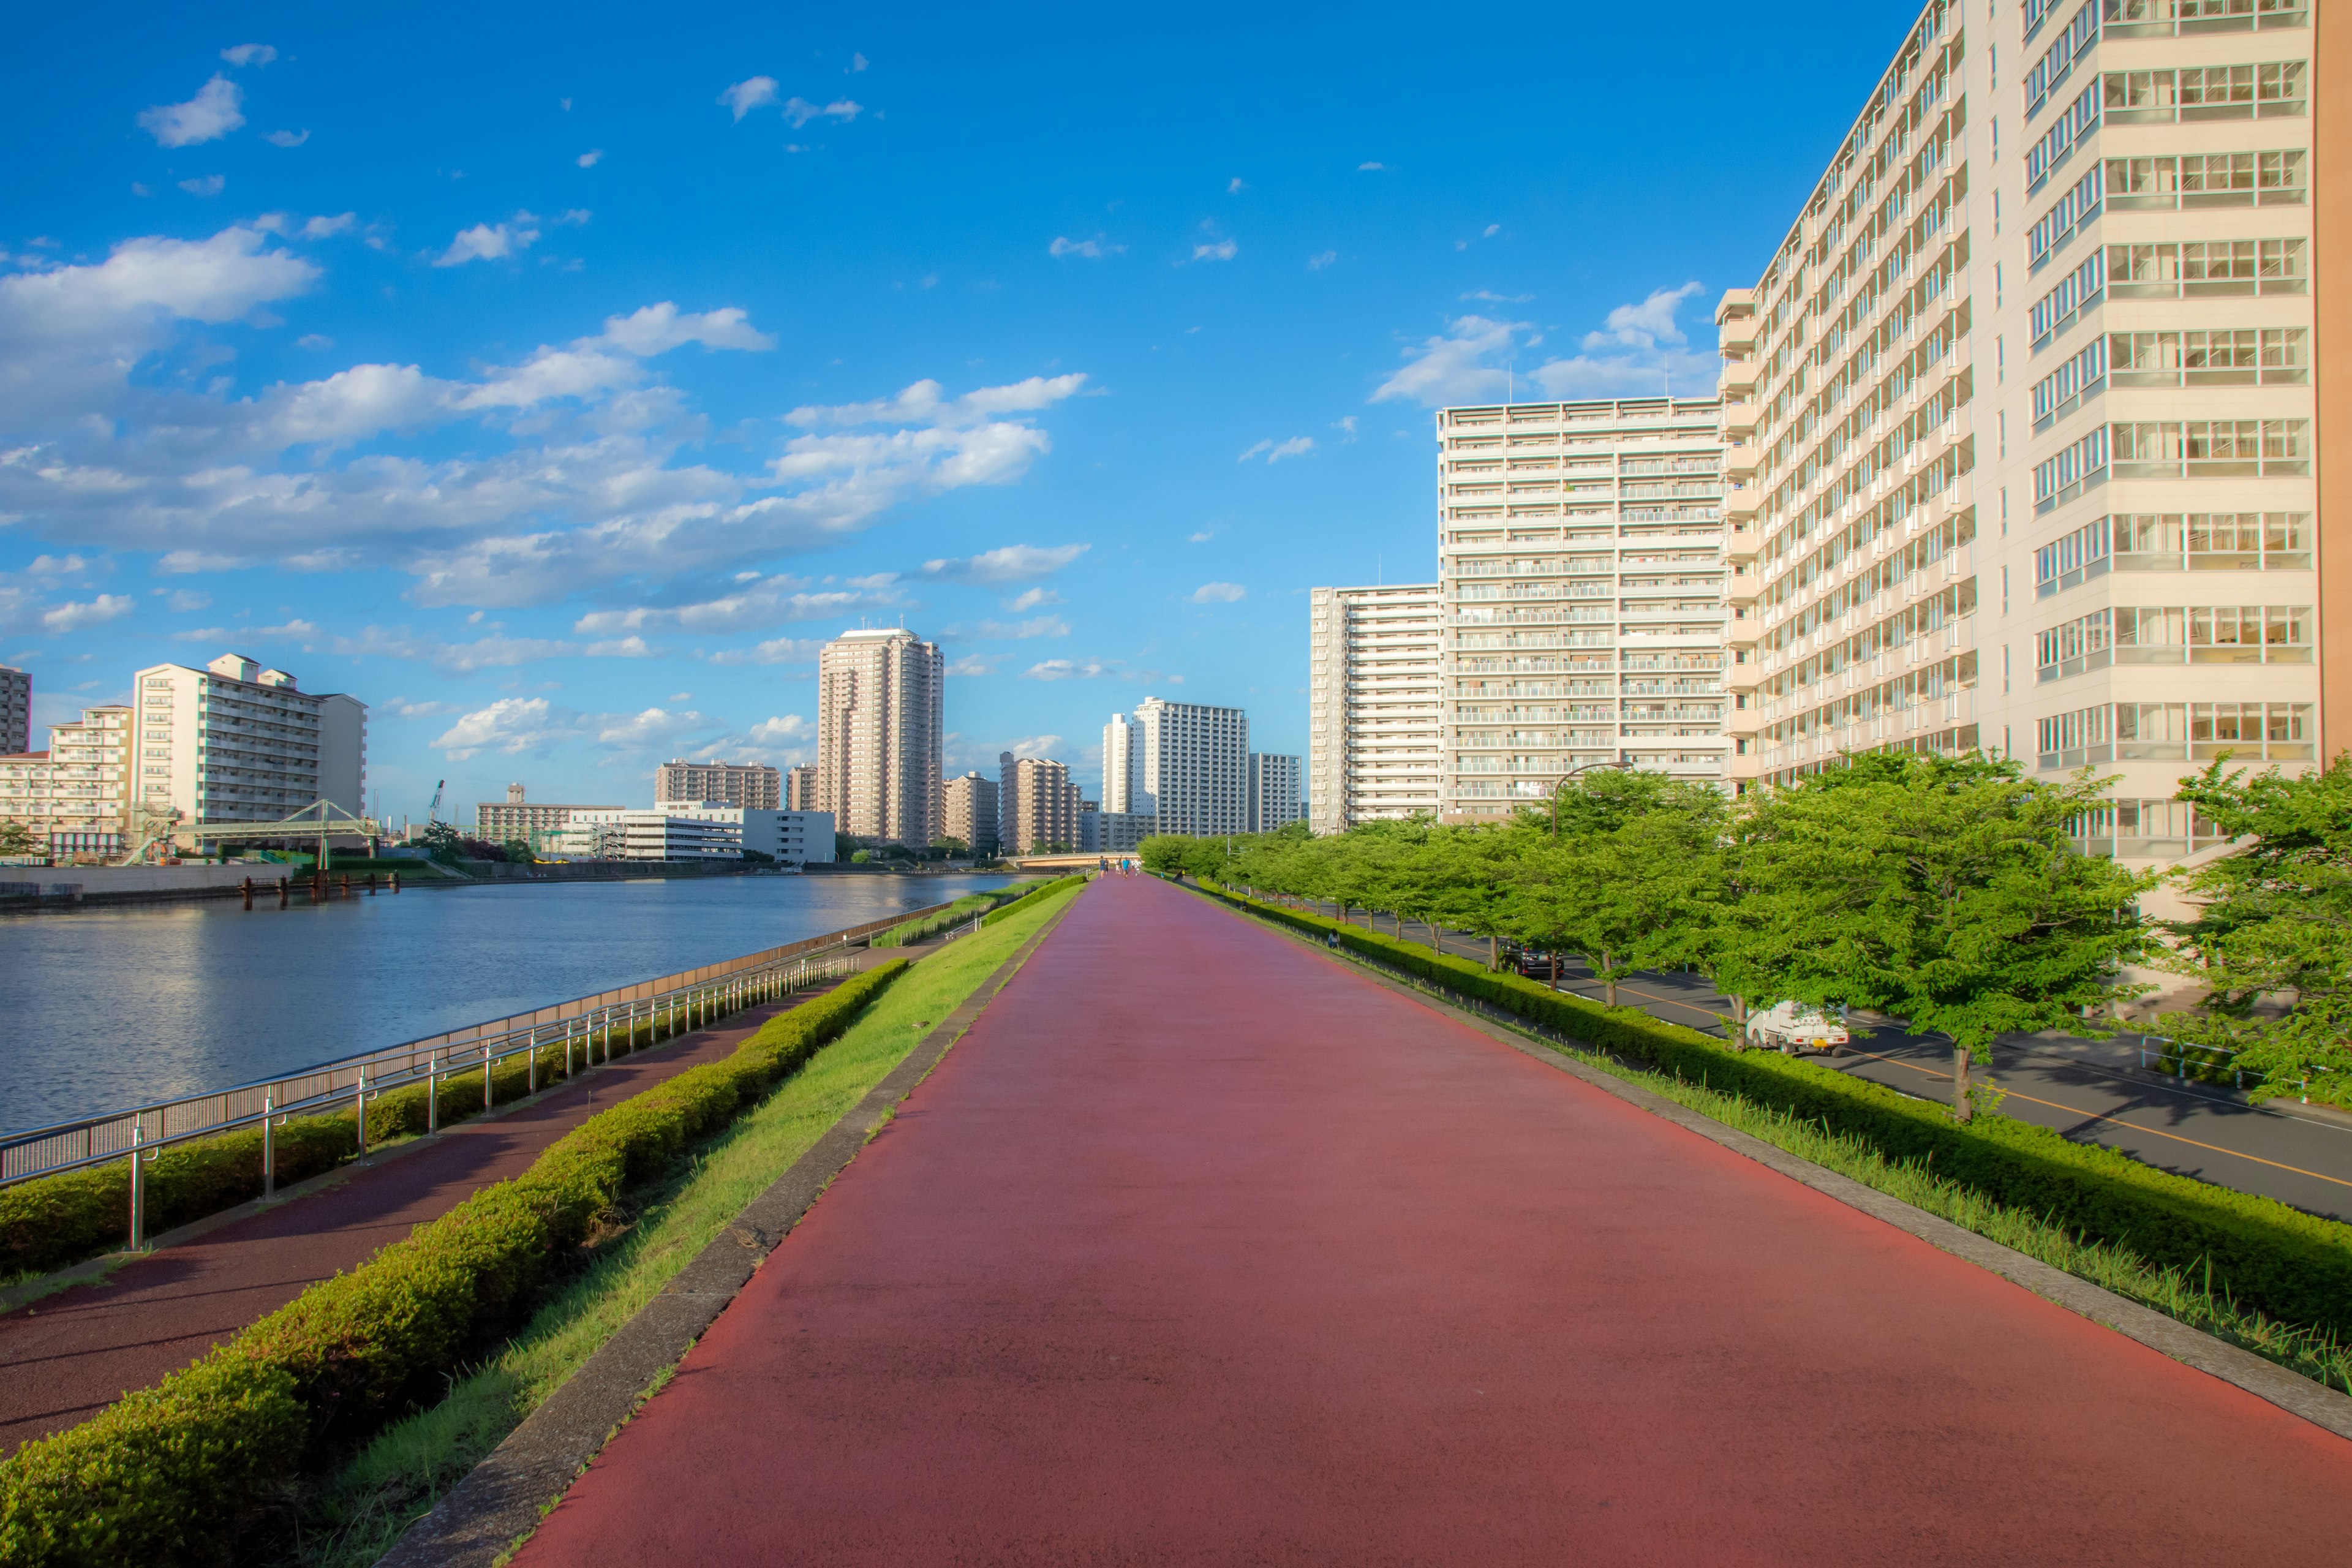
(556, 380)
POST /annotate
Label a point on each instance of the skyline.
(558, 405)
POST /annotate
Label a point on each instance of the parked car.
(1533, 962)
(1791, 1026)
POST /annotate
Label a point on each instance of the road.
(1201, 1246)
(2092, 1090)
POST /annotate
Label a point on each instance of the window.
(2062, 391)
(2239, 357)
(2080, 204)
(2073, 469)
(2076, 122)
(2211, 92)
(2160, 18)
(2059, 59)
(2074, 294)
(2174, 542)
(2206, 180)
(2211, 448)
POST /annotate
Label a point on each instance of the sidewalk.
(1201, 1247)
(67, 1356)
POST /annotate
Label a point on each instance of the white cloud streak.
(215, 111)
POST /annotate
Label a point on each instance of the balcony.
(1738, 378)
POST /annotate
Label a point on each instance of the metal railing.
(586, 1026)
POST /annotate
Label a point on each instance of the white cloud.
(1037, 746)
(776, 650)
(496, 652)
(74, 617)
(921, 404)
(1085, 670)
(1219, 594)
(591, 158)
(250, 55)
(71, 565)
(780, 732)
(328, 227)
(1453, 368)
(657, 329)
(1644, 325)
(1007, 563)
(408, 708)
(1021, 631)
(1362, 168)
(511, 725)
(1346, 427)
(186, 600)
(314, 340)
(774, 601)
(753, 93)
(1320, 259)
(1032, 599)
(856, 63)
(1641, 348)
(799, 111)
(1491, 298)
(490, 242)
(204, 185)
(1273, 452)
(213, 112)
(1490, 231)
(655, 727)
(1221, 250)
(975, 664)
(1235, 186)
(1094, 249)
(577, 217)
(622, 647)
(286, 138)
(1202, 537)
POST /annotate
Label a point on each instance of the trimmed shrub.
(2263, 1254)
(188, 1459)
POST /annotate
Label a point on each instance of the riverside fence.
(586, 1024)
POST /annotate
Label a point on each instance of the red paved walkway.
(1201, 1247)
(70, 1355)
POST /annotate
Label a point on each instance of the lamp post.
(1562, 788)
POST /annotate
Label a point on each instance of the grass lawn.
(353, 1516)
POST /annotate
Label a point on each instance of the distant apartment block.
(15, 710)
(72, 797)
(1374, 690)
(514, 818)
(793, 837)
(662, 834)
(1037, 806)
(1112, 832)
(1274, 797)
(1581, 580)
(2021, 414)
(236, 742)
(755, 785)
(879, 735)
(1183, 764)
(972, 814)
(800, 787)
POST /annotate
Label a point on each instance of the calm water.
(101, 1009)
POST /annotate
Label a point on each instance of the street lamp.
(1562, 788)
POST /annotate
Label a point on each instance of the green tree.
(15, 839)
(2273, 923)
(1636, 879)
(518, 851)
(1948, 893)
(948, 846)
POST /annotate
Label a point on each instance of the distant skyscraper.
(1037, 805)
(1373, 691)
(972, 812)
(754, 785)
(879, 732)
(1273, 790)
(800, 787)
(1119, 738)
(16, 709)
(1189, 767)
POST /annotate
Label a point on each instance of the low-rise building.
(71, 798)
(1114, 832)
(793, 837)
(658, 835)
(531, 821)
(754, 785)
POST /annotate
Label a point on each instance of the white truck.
(1791, 1026)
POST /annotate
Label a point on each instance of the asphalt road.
(1201, 1247)
(2088, 1089)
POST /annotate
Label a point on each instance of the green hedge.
(2264, 1253)
(907, 933)
(52, 1222)
(1004, 912)
(166, 1475)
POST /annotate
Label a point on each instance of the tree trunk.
(1555, 969)
(1962, 1108)
(1493, 953)
(1609, 986)
(1399, 920)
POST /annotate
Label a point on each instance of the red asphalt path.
(1202, 1247)
(68, 1356)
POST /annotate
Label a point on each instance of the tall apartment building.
(71, 798)
(1037, 805)
(754, 785)
(1185, 764)
(879, 735)
(2020, 415)
(800, 787)
(236, 742)
(1274, 797)
(15, 710)
(1581, 581)
(1373, 696)
(970, 811)
(515, 818)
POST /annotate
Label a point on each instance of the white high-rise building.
(236, 742)
(2021, 413)
(1120, 759)
(1274, 797)
(1187, 767)
(1373, 691)
(880, 734)
(1581, 578)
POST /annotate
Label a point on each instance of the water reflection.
(105, 1007)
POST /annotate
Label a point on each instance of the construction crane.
(433, 811)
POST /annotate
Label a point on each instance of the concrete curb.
(501, 1500)
(2266, 1380)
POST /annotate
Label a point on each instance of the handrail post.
(359, 1110)
(486, 1075)
(268, 1144)
(138, 1177)
(432, 1091)
(530, 1061)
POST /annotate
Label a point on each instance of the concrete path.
(1201, 1247)
(68, 1356)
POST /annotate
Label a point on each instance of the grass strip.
(2185, 1293)
(354, 1516)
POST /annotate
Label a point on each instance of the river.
(106, 1008)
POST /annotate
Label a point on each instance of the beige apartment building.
(1037, 805)
(755, 786)
(879, 735)
(236, 742)
(1582, 583)
(71, 799)
(1373, 692)
(2020, 418)
(800, 787)
(531, 821)
(970, 811)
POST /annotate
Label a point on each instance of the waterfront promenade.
(1203, 1246)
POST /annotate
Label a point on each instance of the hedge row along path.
(1202, 1246)
(68, 1356)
